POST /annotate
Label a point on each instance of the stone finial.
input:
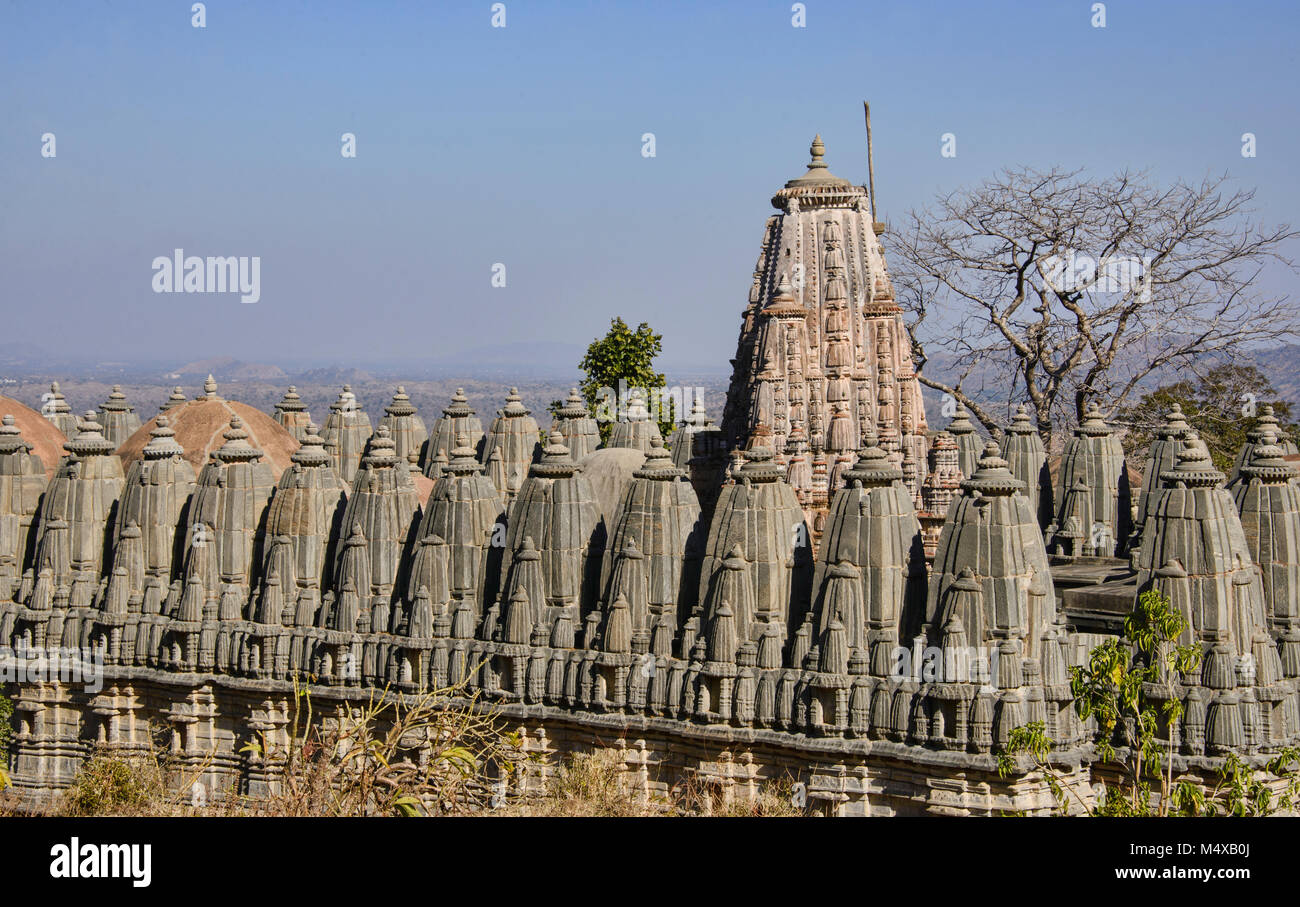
(236, 448)
(574, 407)
(176, 399)
(11, 436)
(514, 407)
(210, 388)
(311, 451)
(162, 442)
(90, 440)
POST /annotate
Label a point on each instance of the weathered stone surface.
(1194, 551)
(1267, 424)
(635, 430)
(700, 447)
(991, 615)
(1267, 494)
(1027, 461)
(1094, 509)
(467, 514)
(652, 558)
(576, 426)
(404, 426)
(969, 446)
(347, 430)
(757, 561)
(55, 408)
(46, 441)
(1162, 456)
(512, 444)
(118, 417)
(22, 482)
(456, 420)
(199, 425)
(292, 413)
(822, 347)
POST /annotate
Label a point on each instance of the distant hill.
(227, 368)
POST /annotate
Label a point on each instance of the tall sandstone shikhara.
(820, 588)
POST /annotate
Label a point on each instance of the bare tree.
(1057, 289)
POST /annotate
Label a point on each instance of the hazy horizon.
(523, 146)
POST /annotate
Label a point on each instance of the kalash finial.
(818, 152)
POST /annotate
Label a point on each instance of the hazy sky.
(523, 145)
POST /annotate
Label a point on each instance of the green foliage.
(6, 736)
(1111, 688)
(626, 355)
(1212, 405)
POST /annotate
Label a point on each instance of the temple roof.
(200, 425)
(46, 440)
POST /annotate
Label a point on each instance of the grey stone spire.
(466, 512)
(1161, 457)
(635, 430)
(1093, 458)
(72, 525)
(292, 413)
(118, 417)
(576, 426)
(1267, 495)
(991, 611)
(456, 420)
(300, 526)
(822, 345)
(154, 497)
(223, 550)
(653, 556)
(699, 447)
(383, 504)
(346, 433)
(22, 481)
(1266, 424)
(758, 558)
(969, 446)
(55, 408)
(873, 530)
(1028, 463)
(404, 425)
(1194, 551)
(512, 444)
(554, 542)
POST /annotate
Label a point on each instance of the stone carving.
(1094, 511)
(823, 352)
(754, 603)
(292, 413)
(118, 417)
(512, 444)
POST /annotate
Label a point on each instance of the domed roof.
(610, 470)
(200, 424)
(46, 440)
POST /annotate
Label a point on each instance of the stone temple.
(747, 600)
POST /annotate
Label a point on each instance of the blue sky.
(522, 145)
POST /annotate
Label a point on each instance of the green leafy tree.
(1222, 406)
(628, 356)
